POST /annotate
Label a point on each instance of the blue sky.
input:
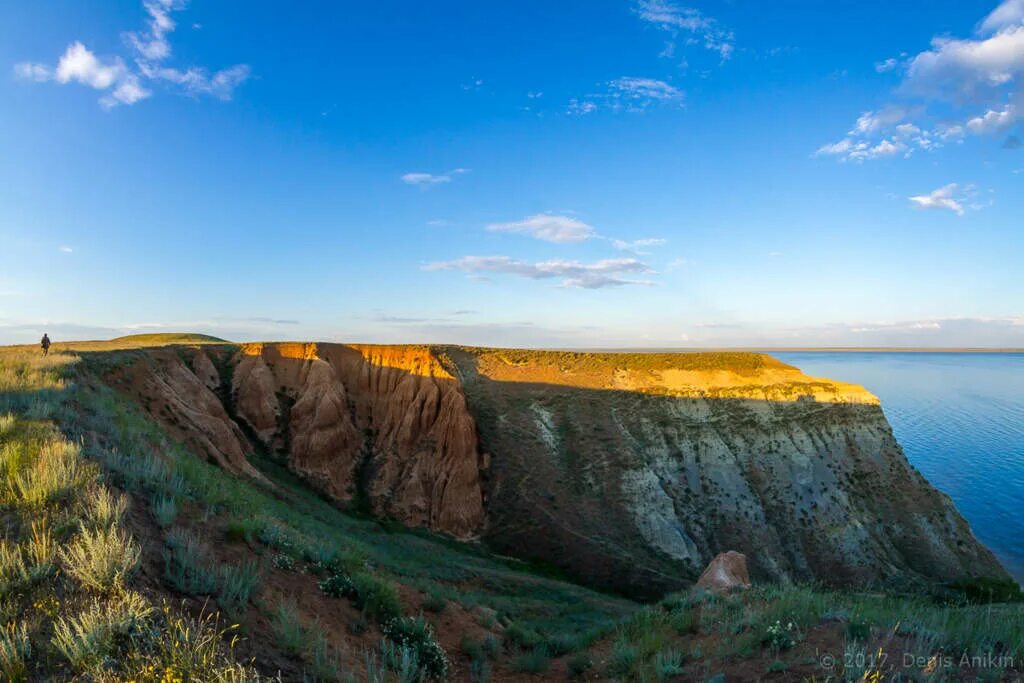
(615, 173)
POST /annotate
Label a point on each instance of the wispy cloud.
(65, 249)
(942, 198)
(548, 228)
(688, 22)
(638, 246)
(420, 179)
(150, 49)
(628, 93)
(573, 274)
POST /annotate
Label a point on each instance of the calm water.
(960, 420)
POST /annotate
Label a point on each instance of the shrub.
(338, 586)
(164, 510)
(416, 633)
(491, 645)
(285, 562)
(102, 559)
(435, 602)
(403, 660)
(472, 648)
(236, 584)
(239, 531)
(104, 509)
(622, 658)
(193, 649)
(858, 629)
(376, 597)
(94, 635)
(561, 644)
(14, 572)
(291, 635)
(579, 664)
(536, 661)
(668, 663)
(186, 566)
(779, 637)
(50, 477)
(777, 666)
(522, 636)
(15, 648)
(40, 550)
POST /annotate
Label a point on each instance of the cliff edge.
(628, 471)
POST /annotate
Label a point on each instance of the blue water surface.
(960, 420)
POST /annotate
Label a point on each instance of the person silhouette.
(45, 343)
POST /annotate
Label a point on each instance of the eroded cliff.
(630, 471)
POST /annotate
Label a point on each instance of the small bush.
(51, 477)
(285, 562)
(104, 509)
(472, 648)
(579, 664)
(492, 646)
(780, 637)
(15, 649)
(40, 551)
(239, 531)
(622, 658)
(376, 597)
(858, 629)
(165, 510)
(668, 663)
(14, 572)
(435, 603)
(403, 660)
(416, 633)
(193, 649)
(186, 565)
(519, 635)
(94, 635)
(102, 559)
(236, 584)
(338, 586)
(777, 666)
(561, 644)
(685, 622)
(291, 635)
(536, 661)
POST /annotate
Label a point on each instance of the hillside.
(134, 449)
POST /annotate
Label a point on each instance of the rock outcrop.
(726, 573)
(630, 471)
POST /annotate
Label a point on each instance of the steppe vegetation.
(126, 557)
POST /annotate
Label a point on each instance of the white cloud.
(65, 249)
(1006, 15)
(644, 89)
(675, 19)
(886, 65)
(965, 70)
(79, 64)
(954, 72)
(993, 121)
(29, 71)
(942, 198)
(549, 228)
(420, 179)
(150, 49)
(597, 275)
(581, 108)
(637, 246)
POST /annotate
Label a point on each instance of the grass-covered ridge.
(121, 548)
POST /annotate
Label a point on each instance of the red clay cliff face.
(177, 389)
(385, 424)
